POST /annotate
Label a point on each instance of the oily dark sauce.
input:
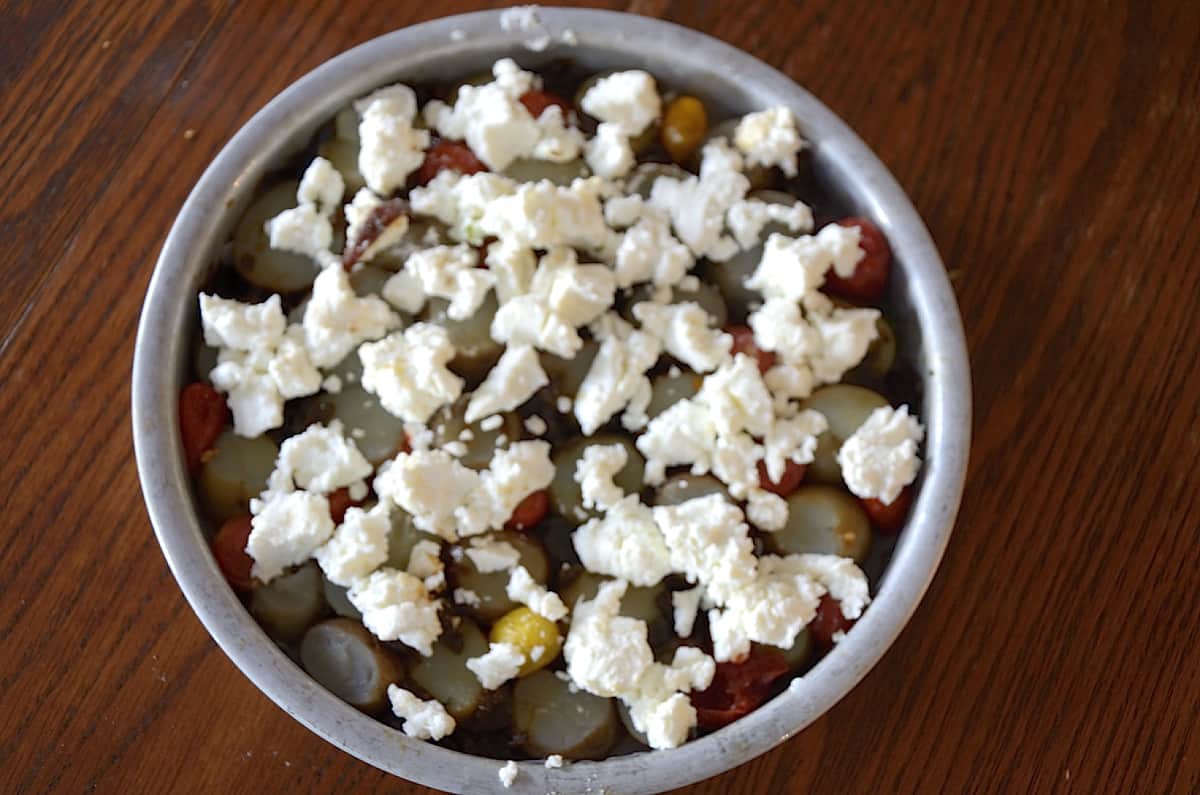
(488, 732)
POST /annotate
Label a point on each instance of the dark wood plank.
(1052, 151)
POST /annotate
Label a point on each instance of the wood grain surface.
(1052, 148)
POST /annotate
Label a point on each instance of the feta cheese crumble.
(424, 720)
(770, 138)
(408, 371)
(286, 530)
(880, 457)
(359, 546)
(501, 663)
(513, 380)
(524, 589)
(396, 606)
(625, 543)
(627, 100)
(508, 773)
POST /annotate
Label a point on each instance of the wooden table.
(1053, 151)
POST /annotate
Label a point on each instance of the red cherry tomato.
(829, 621)
(339, 503)
(889, 518)
(738, 688)
(202, 415)
(529, 511)
(376, 224)
(229, 548)
(443, 155)
(870, 276)
(743, 342)
(537, 101)
(793, 476)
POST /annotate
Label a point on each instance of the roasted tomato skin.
(828, 622)
(202, 417)
(229, 548)
(739, 688)
(793, 476)
(889, 518)
(743, 342)
(340, 502)
(870, 277)
(445, 155)
(537, 101)
(529, 511)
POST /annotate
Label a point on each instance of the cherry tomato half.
(443, 155)
(229, 548)
(889, 518)
(870, 276)
(793, 476)
(339, 503)
(738, 688)
(829, 622)
(743, 342)
(202, 416)
(537, 101)
(529, 511)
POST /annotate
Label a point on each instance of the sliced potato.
(531, 633)
(551, 719)
(338, 601)
(686, 486)
(530, 170)
(236, 472)
(444, 674)
(255, 260)
(565, 495)
(644, 604)
(641, 180)
(343, 155)
(491, 587)
(403, 537)
(666, 390)
(368, 279)
(349, 663)
(845, 407)
(567, 374)
(289, 603)
(824, 520)
(376, 432)
(448, 424)
(627, 722)
(475, 350)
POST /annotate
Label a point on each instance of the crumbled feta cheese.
(251, 393)
(793, 439)
(625, 543)
(500, 663)
(746, 219)
(544, 215)
(840, 577)
(286, 529)
(425, 563)
(359, 546)
(594, 472)
(697, 205)
(554, 761)
(524, 589)
(466, 597)
(513, 266)
(563, 295)
(791, 268)
(685, 333)
(290, 367)
(389, 147)
(880, 457)
(846, 336)
(558, 141)
(629, 100)
(535, 425)
(302, 230)
(430, 485)
(242, 327)
(766, 511)
(424, 720)
(396, 606)
(770, 138)
(449, 272)
(490, 118)
(508, 773)
(512, 381)
(685, 606)
(709, 543)
(489, 554)
(608, 154)
(320, 459)
(771, 609)
(359, 212)
(683, 434)
(459, 201)
(616, 379)
(455, 448)
(737, 398)
(649, 252)
(491, 423)
(513, 474)
(336, 320)
(624, 211)
(321, 185)
(408, 371)
(333, 385)
(563, 403)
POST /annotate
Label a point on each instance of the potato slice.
(475, 350)
(550, 719)
(343, 154)
(686, 486)
(529, 170)
(845, 407)
(448, 425)
(289, 603)
(824, 520)
(236, 472)
(491, 587)
(666, 390)
(444, 674)
(645, 604)
(338, 601)
(255, 260)
(376, 432)
(349, 663)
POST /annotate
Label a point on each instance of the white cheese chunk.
(424, 720)
(524, 589)
(336, 320)
(746, 219)
(449, 272)
(403, 290)
(558, 142)
(489, 555)
(291, 368)
(512, 381)
(425, 563)
(544, 215)
(770, 138)
(251, 393)
(500, 663)
(625, 543)
(840, 577)
(459, 201)
(430, 485)
(772, 609)
(242, 327)
(466, 597)
(737, 398)
(685, 605)
(389, 147)
(553, 762)
(409, 371)
(320, 459)
(880, 457)
(793, 439)
(594, 472)
(396, 606)
(697, 205)
(629, 100)
(508, 773)
(359, 545)
(609, 154)
(302, 230)
(685, 333)
(490, 118)
(513, 474)
(649, 252)
(791, 268)
(709, 543)
(617, 378)
(285, 531)
(321, 185)
(513, 265)
(766, 511)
